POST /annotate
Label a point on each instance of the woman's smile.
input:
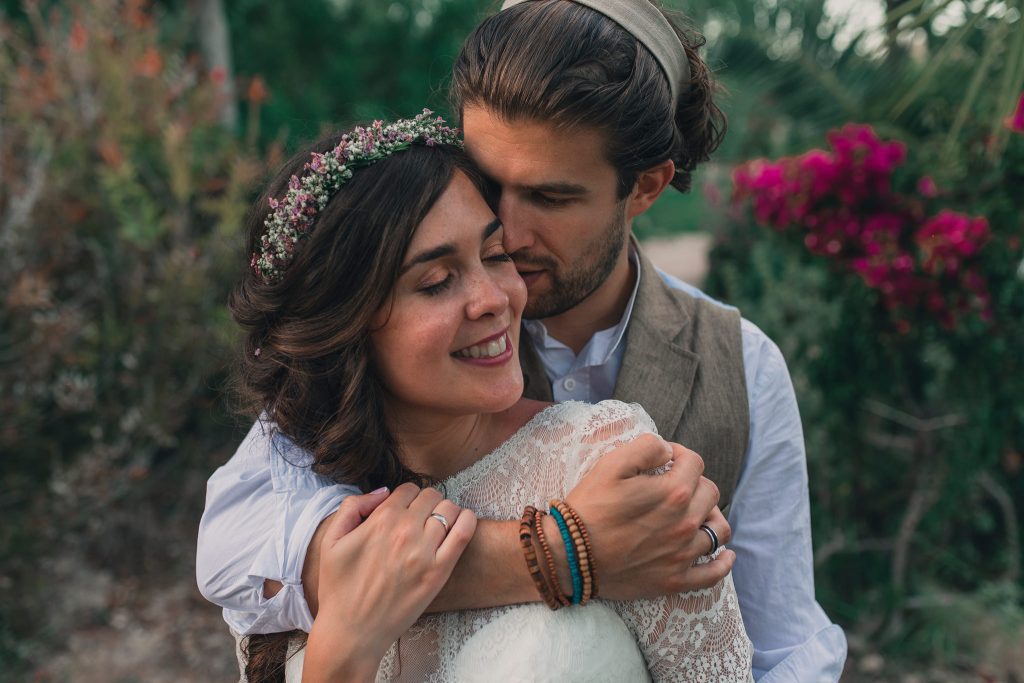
(494, 350)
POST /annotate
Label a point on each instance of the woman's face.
(448, 341)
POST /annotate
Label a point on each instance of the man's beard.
(569, 289)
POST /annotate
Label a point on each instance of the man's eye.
(548, 200)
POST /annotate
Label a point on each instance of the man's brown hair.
(560, 62)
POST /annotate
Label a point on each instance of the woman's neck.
(438, 445)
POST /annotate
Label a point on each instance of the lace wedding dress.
(694, 636)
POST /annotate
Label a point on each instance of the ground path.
(684, 256)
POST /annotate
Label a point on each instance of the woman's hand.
(377, 576)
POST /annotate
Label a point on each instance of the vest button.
(569, 384)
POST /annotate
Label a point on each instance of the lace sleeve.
(697, 635)
(694, 636)
(602, 427)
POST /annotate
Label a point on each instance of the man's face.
(564, 226)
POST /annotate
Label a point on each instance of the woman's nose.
(486, 296)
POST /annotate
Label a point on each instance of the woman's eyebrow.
(428, 255)
(447, 249)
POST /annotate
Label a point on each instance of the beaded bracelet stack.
(578, 550)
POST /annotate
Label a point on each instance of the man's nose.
(517, 227)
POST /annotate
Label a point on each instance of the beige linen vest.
(683, 363)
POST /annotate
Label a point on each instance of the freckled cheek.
(411, 338)
(516, 289)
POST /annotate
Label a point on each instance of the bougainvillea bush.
(896, 292)
(841, 203)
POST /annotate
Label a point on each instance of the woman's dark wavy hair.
(560, 62)
(305, 358)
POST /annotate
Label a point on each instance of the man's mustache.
(525, 261)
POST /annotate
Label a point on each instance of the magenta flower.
(948, 238)
(1016, 122)
(842, 204)
(926, 187)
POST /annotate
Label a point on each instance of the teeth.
(491, 349)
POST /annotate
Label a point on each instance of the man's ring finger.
(441, 518)
(712, 535)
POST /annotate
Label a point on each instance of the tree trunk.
(215, 43)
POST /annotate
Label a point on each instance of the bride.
(381, 318)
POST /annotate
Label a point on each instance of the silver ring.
(441, 518)
(713, 536)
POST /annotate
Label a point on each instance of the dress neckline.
(468, 475)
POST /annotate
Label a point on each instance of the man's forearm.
(645, 531)
(490, 573)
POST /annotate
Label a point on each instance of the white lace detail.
(695, 636)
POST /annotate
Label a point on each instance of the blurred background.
(865, 210)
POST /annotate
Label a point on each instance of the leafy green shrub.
(912, 411)
(120, 204)
(910, 383)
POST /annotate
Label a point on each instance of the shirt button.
(569, 384)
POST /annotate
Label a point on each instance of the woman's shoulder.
(605, 418)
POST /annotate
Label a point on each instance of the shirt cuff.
(285, 611)
(283, 561)
(818, 660)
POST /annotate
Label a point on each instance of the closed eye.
(435, 289)
(548, 200)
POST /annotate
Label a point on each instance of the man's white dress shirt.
(263, 506)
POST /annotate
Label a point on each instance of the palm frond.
(935, 65)
(987, 58)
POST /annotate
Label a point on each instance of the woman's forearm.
(333, 656)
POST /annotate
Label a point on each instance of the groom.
(581, 114)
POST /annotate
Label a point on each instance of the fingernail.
(382, 489)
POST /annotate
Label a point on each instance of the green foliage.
(349, 61)
(119, 214)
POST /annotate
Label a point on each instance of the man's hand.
(645, 529)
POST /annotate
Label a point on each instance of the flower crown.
(291, 218)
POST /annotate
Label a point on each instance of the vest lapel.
(535, 380)
(656, 361)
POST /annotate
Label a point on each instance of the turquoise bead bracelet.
(570, 553)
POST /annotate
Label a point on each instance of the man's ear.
(650, 183)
